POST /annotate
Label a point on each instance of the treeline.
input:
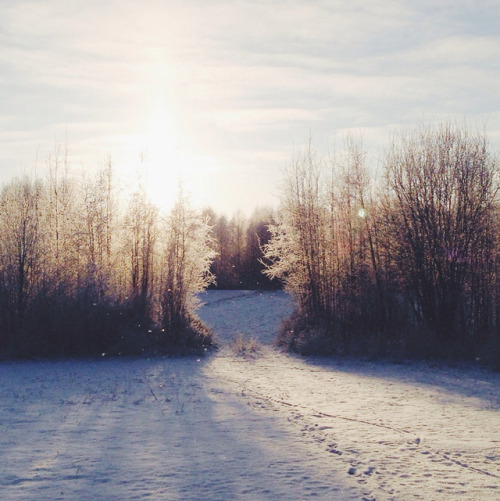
(239, 243)
(83, 272)
(408, 265)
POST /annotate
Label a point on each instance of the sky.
(219, 94)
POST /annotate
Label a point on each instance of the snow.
(226, 427)
(254, 314)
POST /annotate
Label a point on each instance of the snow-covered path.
(224, 427)
(406, 431)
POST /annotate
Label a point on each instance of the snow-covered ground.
(225, 427)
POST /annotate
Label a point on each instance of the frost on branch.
(186, 258)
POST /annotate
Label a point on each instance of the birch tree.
(187, 256)
(141, 235)
(21, 247)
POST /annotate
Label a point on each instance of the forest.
(403, 263)
(85, 270)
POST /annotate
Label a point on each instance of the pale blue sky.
(223, 91)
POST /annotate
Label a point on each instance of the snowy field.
(225, 427)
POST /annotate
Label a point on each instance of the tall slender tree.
(187, 256)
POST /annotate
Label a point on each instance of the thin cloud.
(238, 77)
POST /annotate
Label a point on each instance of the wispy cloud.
(241, 82)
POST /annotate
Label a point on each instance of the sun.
(163, 151)
(159, 155)
(166, 163)
(162, 161)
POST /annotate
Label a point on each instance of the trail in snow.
(398, 439)
(224, 427)
(256, 314)
(406, 431)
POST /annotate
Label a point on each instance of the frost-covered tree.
(257, 236)
(22, 247)
(187, 253)
(140, 238)
(61, 225)
(295, 249)
(98, 214)
(323, 247)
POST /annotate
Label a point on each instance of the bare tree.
(22, 245)
(294, 253)
(187, 255)
(141, 233)
(443, 188)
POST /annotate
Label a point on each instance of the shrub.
(246, 347)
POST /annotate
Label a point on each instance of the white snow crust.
(225, 427)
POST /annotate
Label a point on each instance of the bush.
(306, 336)
(194, 338)
(246, 347)
(57, 325)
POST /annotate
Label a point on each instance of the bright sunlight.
(163, 162)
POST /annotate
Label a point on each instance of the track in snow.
(223, 427)
(406, 431)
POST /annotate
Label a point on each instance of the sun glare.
(165, 162)
(162, 160)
